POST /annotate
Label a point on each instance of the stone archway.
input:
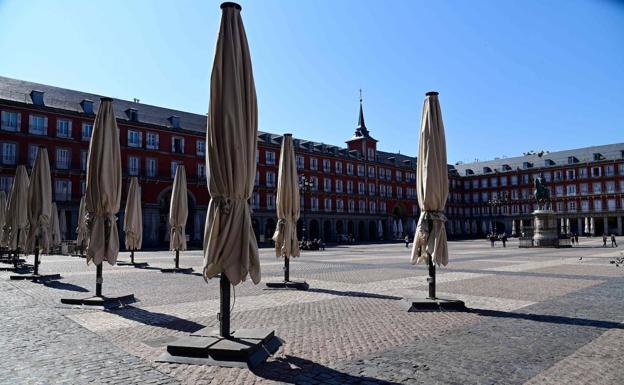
(313, 231)
(372, 230)
(351, 228)
(339, 227)
(327, 231)
(361, 231)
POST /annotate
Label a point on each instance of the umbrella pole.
(177, 259)
(286, 269)
(16, 255)
(98, 280)
(36, 267)
(132, 256)
(431, 279)
(224, 311)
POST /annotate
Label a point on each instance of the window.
(382, 207)
(503, 180)
(151, 141)
(326, 165)
(315, 183)
(313, 164)
(382, 190)
(83, 160)
(484, 183)
(201, 171)
(257, 179)
(62, 188)
(133, 165)
(177, 145)
(326, 184)
(371, 172)
(300, 162)
(9, 155)
(611, 204)
(610, 170)
(597, 187)
(174, 168)
(134, 138)
(597, 205)
(338, 186)
(6, 183)
(371, 189)
(63, 128)
(571, 206)
(33, 149)
(11, 121)
(327, 204)
(514, 180)
(372, 207)
(350, 186)
(350, 168)
(371, 154)
(398, 176)
(596, 171)
(360, 170)
(270, 157)
(87, 130)
(622, 187)
(570, 174)
(338, 167)
(621, 168)
(525, 178)
(255, 200)
(270, 179)
(362, 206)
(584, 188)
(494, 182)
(571, 189)
(399, 193)
(351, 206)
(270, 200)
(610, 185)
(389, 191)
(381, 173)
(584, 205)
(151, 167)
(361, 188)
(201, 147)
(558, 176)
(314, 203)
(582, 172)
(484, 196)
(38, 125)
(63, 158)
(388, 174)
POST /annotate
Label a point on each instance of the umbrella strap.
(225, 204)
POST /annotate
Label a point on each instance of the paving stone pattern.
(539, 316)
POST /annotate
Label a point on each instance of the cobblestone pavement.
(538, 316)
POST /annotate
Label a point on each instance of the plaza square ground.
(538, 316)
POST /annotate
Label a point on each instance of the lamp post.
(305, 185)
(496, 203)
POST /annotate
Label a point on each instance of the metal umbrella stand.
(35, 276)
(230, 248)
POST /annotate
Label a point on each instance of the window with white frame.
(62, 189)
(475, 197)
(201, 147)
(382, 207)
(326, 165)
(133, 165)
(351, 206)
(559, 190)
(484, 196)
(174, 168)
(314, 204)
(611, 204)
(597, 205)
(134, 138)
(63, 158)
(362, 206)
(514, 180)
(151, 141)
(398, 175)
(547, 176)
(151, 168)
(327, 205)
(558, 175)
(484, 182)
(350, 168)
(372, 207)
(6, 183)
(63, 128)
(38, 125)
(596, 172)
(255, 200)
(584, 188)
(571, 190)
(339, 205)
(571, 205)
(371, 189)
(315, 183)
(570, 174)
(610, 170)
(269, 157)
(33, 149)
(371, 153)
(350, 186)
(388, 174)
(525, 178)
(201, 171)
(87, 130)
(338, 186)
(270, 200)
(177, 144)
(360, 169)
(494, 181)
(382, 190)
(360, 188)
(399, 192)
(503, 181)
(270, 179)
(389, 191)
(610, 186)
(381, 173)
(300, 162)
(11, 121)
(582, 172)
(9, 153)
(371, 172)
(338, 167)
(313, 164)
(596, 187)
(326, 184)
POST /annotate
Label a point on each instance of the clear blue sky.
(513, 76)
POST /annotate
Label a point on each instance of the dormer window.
(506, 167)
(175, 121)
(133, 114)
(37, 97)
(597, 156)
(572, 160)
(87, 106)
(469, 172)
(549, 162)
(486, 170)
(527, 165)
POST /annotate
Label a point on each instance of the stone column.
(580, 223)
(619, 225)
(605, 225)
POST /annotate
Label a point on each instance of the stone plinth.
(544, 229)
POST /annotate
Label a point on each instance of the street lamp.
(496, 203)
(305, 185)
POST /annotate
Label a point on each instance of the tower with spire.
(361, 140)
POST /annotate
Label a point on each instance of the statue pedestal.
(545, 229)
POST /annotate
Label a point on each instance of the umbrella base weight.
(245, 348)
(36, 277)
(433, 304)
(138, 265)
(100, 302)
(294, 285)
(179, 270)
(22, 269)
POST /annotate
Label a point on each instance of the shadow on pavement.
(355, 294)
(65, 286)
(550, 319)
(295, 370)
(157, 319)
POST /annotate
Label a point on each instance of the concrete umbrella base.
(138, 265)
(35, 277)
(292, 285)
(100, 302)
(179, 270)
(245, 348)
(433, 304)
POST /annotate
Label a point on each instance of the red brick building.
(358, 190)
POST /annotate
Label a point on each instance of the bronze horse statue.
(541, 193)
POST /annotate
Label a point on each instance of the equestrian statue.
(541, 193)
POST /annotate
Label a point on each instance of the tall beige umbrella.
(430, 244)
(39, 203)
(287, 204)
(62, 224)
(229, 243)
(3, 206)
(133, 221)
(102, 201)
(55, 229)
(17, 212)
(82, 234)
(178, 214)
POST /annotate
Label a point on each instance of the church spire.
(361, 129)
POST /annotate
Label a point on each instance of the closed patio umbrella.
(400, 228)
(3, 204)
(430, 243)
(586, 230)
(16, 222)
(473, 227)
(63, 225)
(287, 207)
(178, 214)
(568, 226)
(39, 213)
(379, 228)
(55, 229)
(102, 201)
(395, 229)
(82, 233)
(133, 222)
(592, 226)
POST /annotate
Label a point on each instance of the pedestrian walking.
(492, 239)
(576, 239)
(572, 239)
(407, 241)
(604, 239)
(504, 239)
(613, 242)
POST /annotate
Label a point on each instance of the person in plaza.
(576, 238)
(407, 241)
(572, 239)
(613, 242)
(504, 239)
(492, 238)
(604, 239)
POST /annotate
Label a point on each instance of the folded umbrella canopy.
(3, 206)
(55, 229)
(586, 225)
(62, 224)
(82, 233)
(400, 228)
(178, 214)
(430, 244)
(133, 222)
(17, 211)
